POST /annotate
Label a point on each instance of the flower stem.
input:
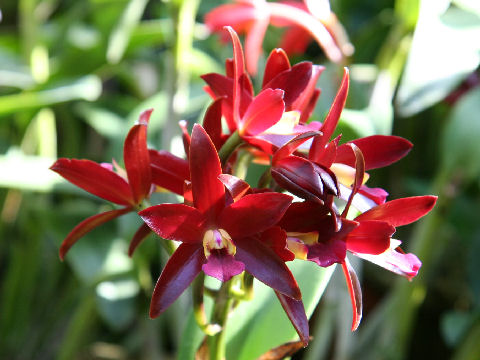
(229, 147)
(223, 303)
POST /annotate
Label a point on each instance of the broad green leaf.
(258, 325)
(445, 49)
(461, 146)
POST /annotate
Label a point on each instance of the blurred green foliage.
(74, 76)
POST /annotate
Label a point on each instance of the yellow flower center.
(216, 240)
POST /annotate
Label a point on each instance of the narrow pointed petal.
(175, 222)
(185, 136)
(137, 160)
(293, 81)
(88, 225)
(296, 313)
(355, 292)
(406, 265)
(378, 151)
(239, 70)
(254, 40)
(140, 235)
(169, 171)
(235, 186)
(277, 62)
(96, 179)
(253, 213)
(222, 266)
(266, 266)
(370, 237)
(212, 122)
(179, 272)
(400, 211)
(208, 190)
(335, 111)
(293, 145)
(265, 110)
(359, 175)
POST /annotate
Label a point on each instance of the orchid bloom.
(127, 188)
(217, 238)
(304, 21)
(277, 114)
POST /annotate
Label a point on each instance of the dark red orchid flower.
(127, 189)
(217, 238)
(276, 114)
(253, 17)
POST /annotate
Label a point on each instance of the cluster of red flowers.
(225, 226)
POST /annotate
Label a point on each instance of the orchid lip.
(218, 239)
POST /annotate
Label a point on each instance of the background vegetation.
(74, 76)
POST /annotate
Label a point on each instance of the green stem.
(199, 308)
(223, 303)
(229, 147)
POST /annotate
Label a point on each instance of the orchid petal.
(359, 175)
(235, 186)
(239, 70)
(254, 38)
(298, 176)
(237, 15)
(212, 122)
(96, 179)
(370, 237)
(303, 217)
(185, 136)
(140, 235)
(400, 211)
(88, 225)
(328, 253)
(355, 292)
(296, 313)
(335, 111)
(276, 239)
(293, 81)
(137, 160)
(378, 151)
(406, 265)
(179, 272)
(208, 190)
(266, 266)
(253, 213)
(222, 266)
(175, 222)
(293, 145)
(265, 110)
(295, 16)
(276, 63)
(169, 171)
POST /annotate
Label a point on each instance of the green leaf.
(445, 49)
(258, 325)
(461, 146)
